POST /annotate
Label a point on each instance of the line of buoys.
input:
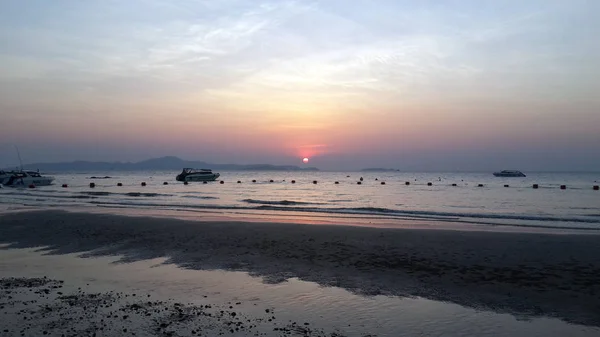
(31, 186)
(534, 186)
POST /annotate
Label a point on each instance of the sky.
(414, 85)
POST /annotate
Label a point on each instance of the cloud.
(303, 72)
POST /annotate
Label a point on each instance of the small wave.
(129, 194)
(203, 197)
(341, 200)
(80, 197)
(429, 214)
(97, 193)
(140, 194)
(280, 202)
(391, 213)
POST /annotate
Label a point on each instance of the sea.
(361, 198)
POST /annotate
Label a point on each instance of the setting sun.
(305, 160)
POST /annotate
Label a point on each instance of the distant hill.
(378, 169)
(164, 163)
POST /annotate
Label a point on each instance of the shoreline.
(524, 274)
(310, 218)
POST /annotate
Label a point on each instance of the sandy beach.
(523, 274)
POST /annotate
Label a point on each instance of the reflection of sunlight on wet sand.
(323, 307)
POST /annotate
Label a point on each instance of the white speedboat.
(24, 179)
(507, 173)
(189, 174)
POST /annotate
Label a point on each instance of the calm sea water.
(577, 207)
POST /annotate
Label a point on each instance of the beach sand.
(523, 274)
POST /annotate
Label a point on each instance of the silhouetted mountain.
(163, 163)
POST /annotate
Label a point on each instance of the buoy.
(119, 184)
(239, 182)
(185, 183)
(337, 182)
(480, 185)
(347, 176)
(314, 181)
(205, 182)
(454, 185)
(383, 183)
(254, 181)
(143, 183)
(165, 183)
(293, 181)
(376, 179)
(31, 186)
(358, 183)
(361, 178)
(563, 187)
(535, 186)
(271, 180)
(596, 187)
(65, 185)
(506, 186)
(92, 185)
(221, 182)
(429, 184)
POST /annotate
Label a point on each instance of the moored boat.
(190, 174)
(509, 173)
(24, 178)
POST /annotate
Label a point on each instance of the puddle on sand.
(330, 309)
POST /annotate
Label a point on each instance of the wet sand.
(524, 274)
(43, 306)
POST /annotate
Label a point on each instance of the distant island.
(163, 163)
(378, 169)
